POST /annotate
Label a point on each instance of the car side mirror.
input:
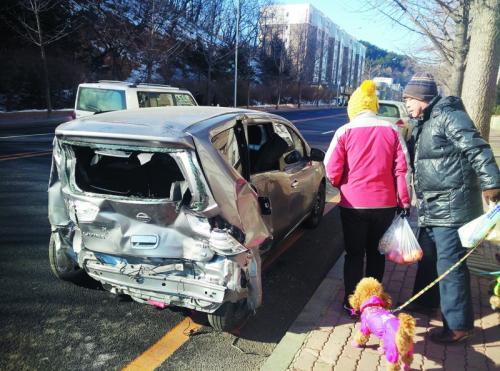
(293, 157)
(316, 155)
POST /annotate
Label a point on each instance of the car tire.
(318, 208)
(62, 266)
(229, 316)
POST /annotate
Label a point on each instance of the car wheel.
(316, 215)
(62, 266)
(229, 316)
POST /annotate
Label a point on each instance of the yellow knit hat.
(364, 98)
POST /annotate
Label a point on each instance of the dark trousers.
(426, 272)
(442, 249)
(363, 229)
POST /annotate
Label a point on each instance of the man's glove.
(492, 195)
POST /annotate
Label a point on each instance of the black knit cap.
(421, 86)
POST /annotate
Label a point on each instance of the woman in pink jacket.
(368, 161)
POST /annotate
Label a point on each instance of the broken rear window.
(126, 173)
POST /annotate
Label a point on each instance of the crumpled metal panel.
(238, 204)
(116, 223)
(116, 228)
(58, 213)
(90, 129)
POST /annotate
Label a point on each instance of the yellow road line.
(16, 156)
(175, 338)
(163, 348)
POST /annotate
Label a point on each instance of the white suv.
(105, 96)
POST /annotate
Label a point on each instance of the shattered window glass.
(283, 132)
(227, 145)
(297, 142)
(127, 173)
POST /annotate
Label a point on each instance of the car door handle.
(295, 183)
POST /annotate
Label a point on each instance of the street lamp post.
(236, 51)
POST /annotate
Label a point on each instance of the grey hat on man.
(422, 86)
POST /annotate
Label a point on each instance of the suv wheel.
(229, 316)
(62, 266)
(318, 208)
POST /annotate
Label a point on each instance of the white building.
(321, 53)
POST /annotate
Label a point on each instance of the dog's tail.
(406, 331)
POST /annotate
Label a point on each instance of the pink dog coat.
(377, 320)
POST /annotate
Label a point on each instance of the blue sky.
(364, 23)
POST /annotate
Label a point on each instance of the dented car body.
(175, 206)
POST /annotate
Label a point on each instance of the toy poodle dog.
(395, 333)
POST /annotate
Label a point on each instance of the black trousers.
(363, 229)
(427, 271)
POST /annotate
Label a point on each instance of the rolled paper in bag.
(476, 230)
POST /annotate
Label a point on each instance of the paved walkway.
(320, 337)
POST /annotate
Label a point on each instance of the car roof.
(160, 124)
(124, 85)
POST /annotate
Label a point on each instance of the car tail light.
(400, 123)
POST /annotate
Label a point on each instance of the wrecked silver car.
(176, 206)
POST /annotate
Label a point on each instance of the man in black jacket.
(452, 166)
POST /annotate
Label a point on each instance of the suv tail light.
(400, 123)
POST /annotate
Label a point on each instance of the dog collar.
(373, 301)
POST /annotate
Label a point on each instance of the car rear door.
(299, 171)
(284, 189)
(224, 159)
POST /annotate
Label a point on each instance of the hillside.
(380, 62)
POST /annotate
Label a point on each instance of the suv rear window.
(388, 110)
(100, 100)
(158, 99)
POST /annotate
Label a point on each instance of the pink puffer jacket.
(368, 161)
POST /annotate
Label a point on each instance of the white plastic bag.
(478, 229)
(399, 243)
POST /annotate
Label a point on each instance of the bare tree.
(371, 70)
(443, 23)
(299, 36)
(214, 33)
(483, 61)
(111, 35)
(28, 23)
(158, 24)
(452, 27)
(273, 38)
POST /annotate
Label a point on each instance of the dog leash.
(443, 275)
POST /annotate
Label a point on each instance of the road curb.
(284, 353)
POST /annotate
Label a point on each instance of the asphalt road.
(47, 324)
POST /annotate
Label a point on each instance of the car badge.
(143, 217)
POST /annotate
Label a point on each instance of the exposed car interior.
(266, 148)
(127, 173)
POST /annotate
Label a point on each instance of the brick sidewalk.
(320, 337)
(326, 332)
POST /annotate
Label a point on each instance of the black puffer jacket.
(452, 164)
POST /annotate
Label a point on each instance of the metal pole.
(236, 50)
